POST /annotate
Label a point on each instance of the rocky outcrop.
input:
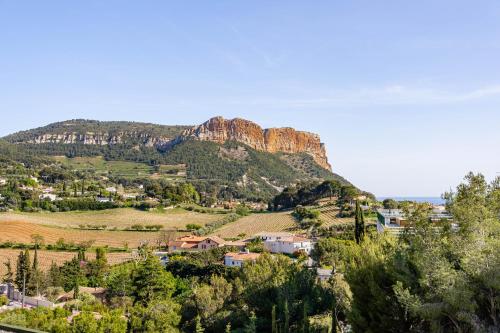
(102, 139)
(286, 140)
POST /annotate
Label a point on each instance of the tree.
(96, 269)
(84, 323)
(210, 298)
(119, 281)
(23, 269)
(9, 275)
(113, 322)
(251, 326)
(359, 227)
(274, 326)
(159, 316)
(390, 204)
(151, 281)
(286, 314)
(198, 328)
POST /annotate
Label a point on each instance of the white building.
(49, 196)
(394, 220)
(238, 259)
(273, 236)
(289, 245)
(111, 189)
(324, 274)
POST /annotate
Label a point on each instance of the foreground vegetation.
(430, 279)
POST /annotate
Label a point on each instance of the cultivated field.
(281, 221)
(45, 258)
(255, 223)
(119, 218)
(125, 169)
(21, 232)
(328, 214)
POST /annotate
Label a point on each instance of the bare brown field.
(119, 218)
(255, 223)
(21, 232)
(46, 258)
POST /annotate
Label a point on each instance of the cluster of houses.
(273, 242)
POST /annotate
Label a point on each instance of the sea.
(432, 200)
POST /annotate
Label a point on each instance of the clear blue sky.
(406, 94)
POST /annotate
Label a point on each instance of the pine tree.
(359, 226)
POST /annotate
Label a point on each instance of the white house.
(324, 274)
(395, 221)
(238, 259)
(289, 245)
(273, 236)
(49, 196)
(111, 189)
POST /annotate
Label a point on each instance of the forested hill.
(236, 163)
(98, 132)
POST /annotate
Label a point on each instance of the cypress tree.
(305, 319)
(274, 328)
(286, 314)
(359, 227)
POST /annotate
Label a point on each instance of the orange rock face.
(272, 140)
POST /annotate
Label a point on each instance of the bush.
(3, 300)
(193, 226)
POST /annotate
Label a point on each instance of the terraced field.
(21, 232)
(45, 258)
(255, 223)
(120, 218)
(328, 214)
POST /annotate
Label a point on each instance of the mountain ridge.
(164, 137)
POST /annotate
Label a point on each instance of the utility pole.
(24, 287)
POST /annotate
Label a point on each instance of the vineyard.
(119, 218)
(329, 216)
(45, 258)
(21, 232)
(255, 223)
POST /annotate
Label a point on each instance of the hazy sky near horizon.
(405, 94)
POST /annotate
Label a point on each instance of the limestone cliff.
(286, 140)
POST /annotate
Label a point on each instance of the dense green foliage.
(433, 278)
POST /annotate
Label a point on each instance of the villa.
(288, 244)
(239, 259)
(395, 221)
